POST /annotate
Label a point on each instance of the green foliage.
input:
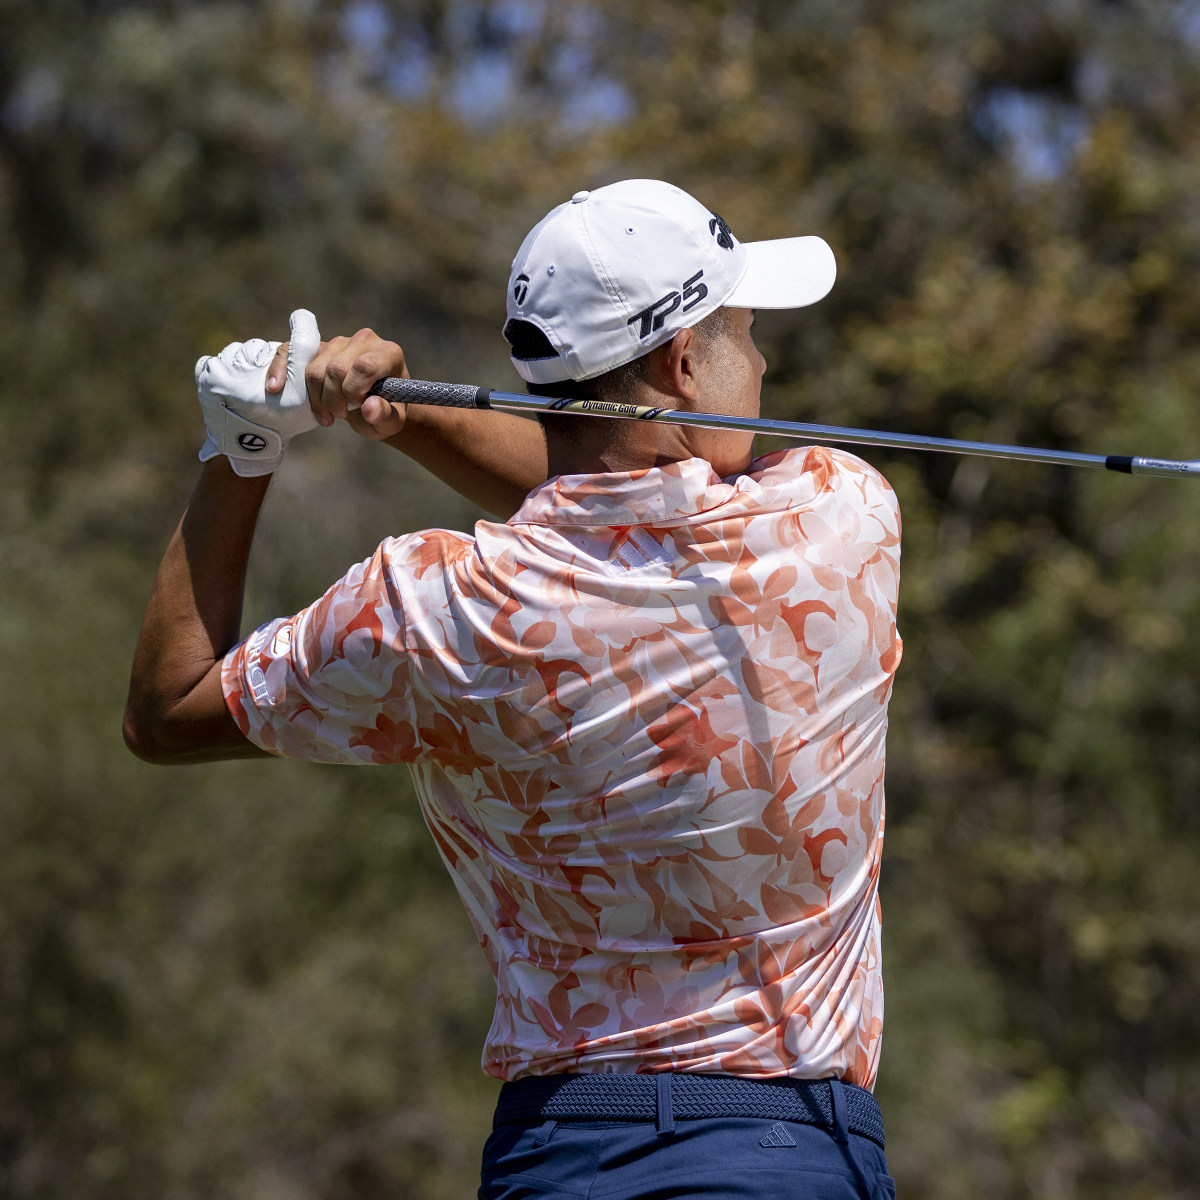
(254, 980)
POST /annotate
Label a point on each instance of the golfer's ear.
(676, 363)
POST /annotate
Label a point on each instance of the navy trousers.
(734, 1158)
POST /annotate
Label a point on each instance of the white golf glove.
(245, 422)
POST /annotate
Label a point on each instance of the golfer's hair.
(621, 385)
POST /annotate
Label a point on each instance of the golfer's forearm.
(494, 459)
(175, 711)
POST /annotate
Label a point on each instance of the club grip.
(426, 391)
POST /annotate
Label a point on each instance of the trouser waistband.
(667, 1097)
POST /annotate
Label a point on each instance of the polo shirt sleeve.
(331, 684)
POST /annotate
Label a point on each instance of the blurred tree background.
(253, 980)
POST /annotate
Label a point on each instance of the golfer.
(645, 714)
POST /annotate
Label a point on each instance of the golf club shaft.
(457, 395)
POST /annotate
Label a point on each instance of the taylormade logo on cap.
(606, 277)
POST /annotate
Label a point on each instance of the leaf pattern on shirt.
(646, 721)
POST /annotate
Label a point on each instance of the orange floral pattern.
(646, 721)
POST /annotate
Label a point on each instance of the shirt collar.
(650, 497)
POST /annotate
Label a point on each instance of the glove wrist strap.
(240, 438)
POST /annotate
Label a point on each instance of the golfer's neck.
(610, 445)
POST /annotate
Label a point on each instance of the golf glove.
(245, 422)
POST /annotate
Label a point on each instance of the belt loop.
(544, 1133)
(841, 1130)
(664, 1120)
(841, 1133)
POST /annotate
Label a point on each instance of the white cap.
(613, 273)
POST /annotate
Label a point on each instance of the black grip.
(426, 391)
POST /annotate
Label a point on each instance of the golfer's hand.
(341, 375)
(248, 424)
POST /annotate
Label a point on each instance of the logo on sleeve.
(257, 679)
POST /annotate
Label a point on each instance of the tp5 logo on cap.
(652, 319)
(596, 283)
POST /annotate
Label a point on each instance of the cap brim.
(787, 273)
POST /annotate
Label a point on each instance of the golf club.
(463, 395)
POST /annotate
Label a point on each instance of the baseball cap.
(605, 277)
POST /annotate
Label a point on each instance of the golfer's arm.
(176, 710)
(494, 459)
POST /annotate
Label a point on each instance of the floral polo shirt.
(645, 718)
